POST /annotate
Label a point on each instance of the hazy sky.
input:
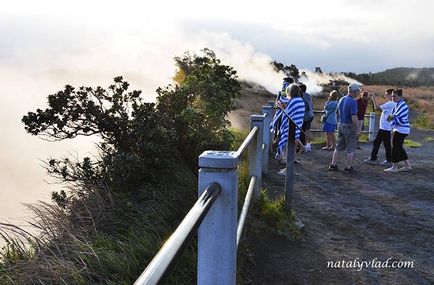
(47, 44)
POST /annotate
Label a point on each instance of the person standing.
(362, 104)
(277, 120)
(307, 119)
(330, 123)
(348, 128)
(384, 131)
(401, 128)
(295, 110)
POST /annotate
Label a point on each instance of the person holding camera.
(384, 131)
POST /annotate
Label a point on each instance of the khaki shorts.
(347, 138)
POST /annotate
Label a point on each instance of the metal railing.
(215, 213)
(158, 269)
(371, 125)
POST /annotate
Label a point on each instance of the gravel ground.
(367, 215)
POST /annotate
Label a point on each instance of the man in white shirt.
(383, 134)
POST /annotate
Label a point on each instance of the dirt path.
(371, 214)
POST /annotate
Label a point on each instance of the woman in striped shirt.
(295, 108)
(401, 128)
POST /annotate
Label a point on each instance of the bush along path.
(355, 224)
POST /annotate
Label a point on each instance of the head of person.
(293, 91)
(388, 93)
(333, 95)
(303, 87)
(365, 95)
(397, 95)
(354, 90)
(288, 79)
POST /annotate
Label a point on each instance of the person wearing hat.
(348, 128)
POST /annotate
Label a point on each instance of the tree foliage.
(289, 70)
(200, 102)
(137, 139)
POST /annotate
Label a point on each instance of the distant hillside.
(402, 76)
(253, 97)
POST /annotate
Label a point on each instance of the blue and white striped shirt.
(295, 109)
(400, 122)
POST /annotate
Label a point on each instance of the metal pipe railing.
(163, 262)
(245, 209)
(246, 141)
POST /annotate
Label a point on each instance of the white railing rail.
(371, 125)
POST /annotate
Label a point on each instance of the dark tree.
(200, 103)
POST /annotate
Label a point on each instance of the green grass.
(422, 121)
(411, 144)
(273, 213)
(318, 139)
(428, 139)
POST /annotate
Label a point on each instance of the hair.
(333, 96)
(398, 92)
(293, 91)
(389, 91)
(303, 87)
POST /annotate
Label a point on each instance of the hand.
(390, 118)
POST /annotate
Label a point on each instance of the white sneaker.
(391, 169)
(282, 172)
(405, 169)
(385, 163)
(307, 148)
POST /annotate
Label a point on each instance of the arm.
(356, 123)
(374, 101)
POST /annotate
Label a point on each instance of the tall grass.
(109, 241)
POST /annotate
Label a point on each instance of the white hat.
(353, 87)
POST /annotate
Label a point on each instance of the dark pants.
(305, 127)
(382, 137)
(398, 152)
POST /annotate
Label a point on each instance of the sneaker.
(349, 170)
(405, 169)
(385, 163)
(282, 172)
(370, 161)
(391, 169)
(333, 167)
(307, 148)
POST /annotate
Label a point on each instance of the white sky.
(46, 44)
(339, 35)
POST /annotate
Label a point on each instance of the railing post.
(290, 153)
(268, 112)
(217, 236)
(271, 104)
(371, 129)
(255, 152)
